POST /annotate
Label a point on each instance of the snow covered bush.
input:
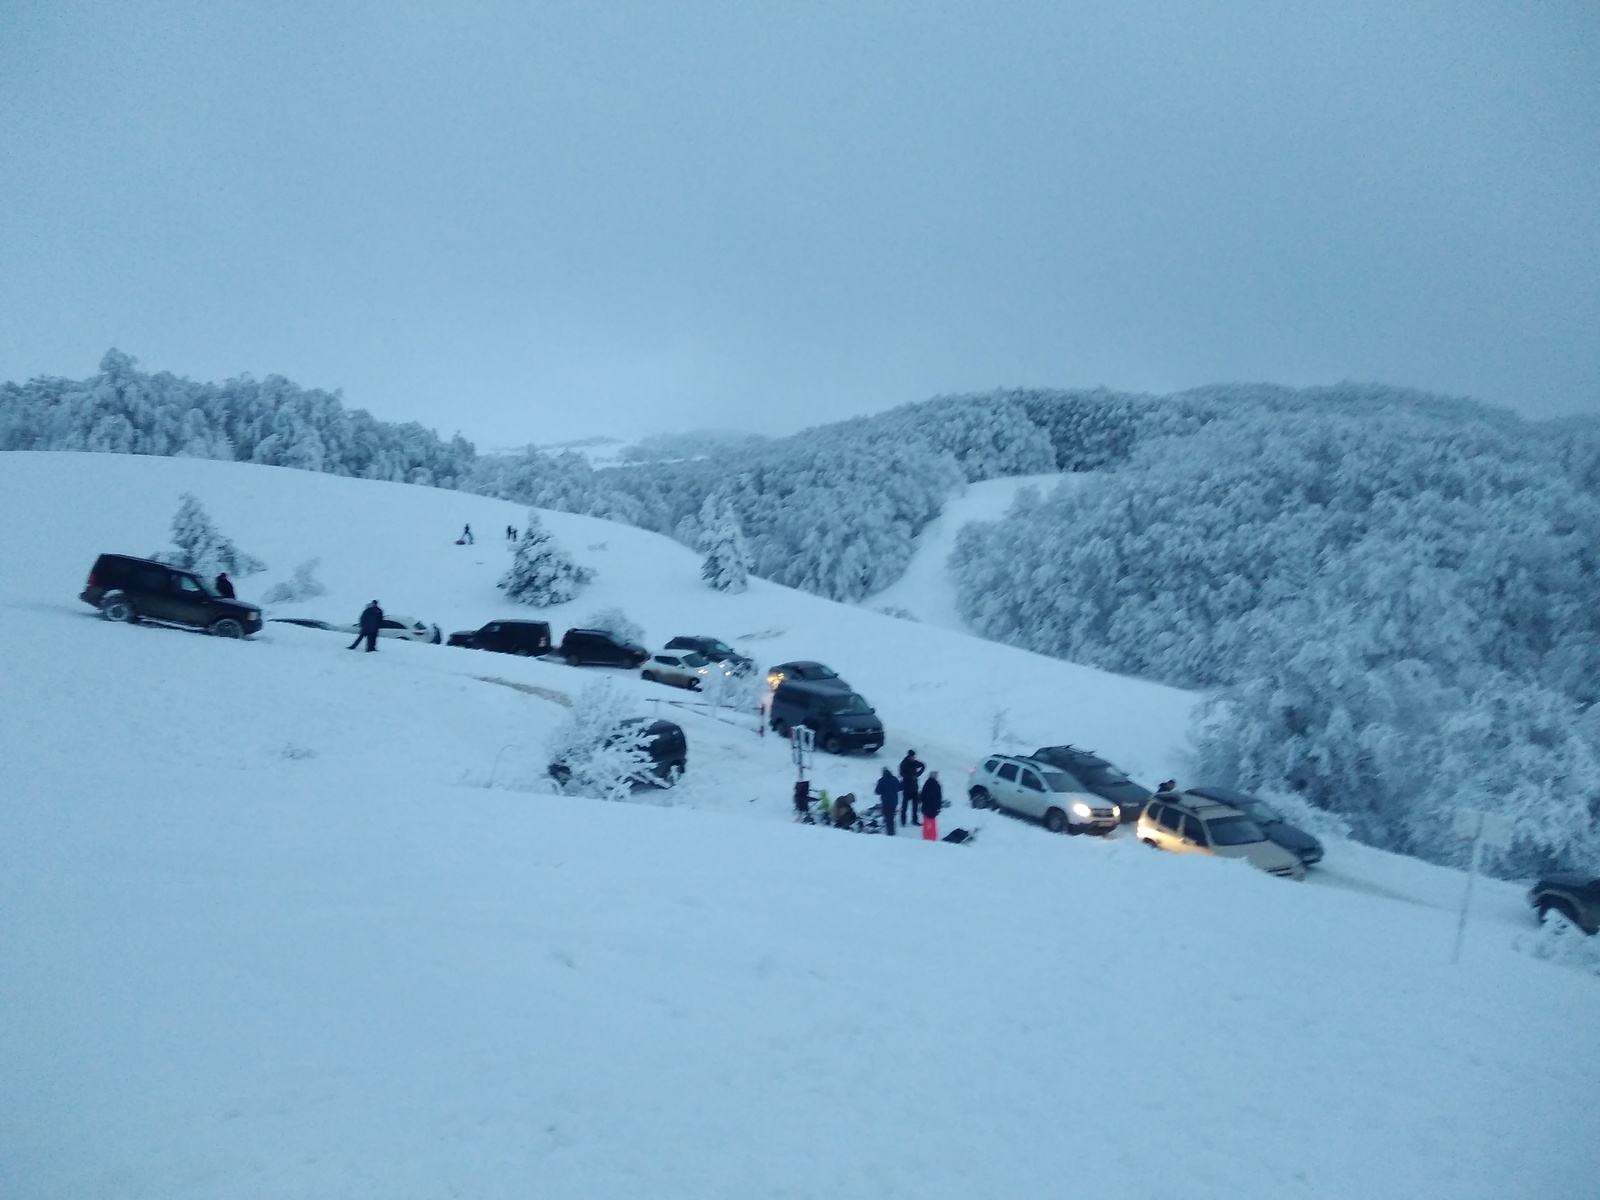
(202, 547)
(302, 585)
(727, 563)
(599, 749)
(542, 573)
(1561, 942)
(615, 622)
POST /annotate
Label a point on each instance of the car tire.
(118, 607)
(1548, 906)
(832, 744)
(979, 798)
(649, 677)
(1056, 821)
(225, 627)
(1150, 842)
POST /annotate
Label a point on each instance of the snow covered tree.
(303, 585)
(202, 547)
(542, 573)
(728, 558)
(615, 622)
(599, 748)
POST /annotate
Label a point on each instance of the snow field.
(264, 932)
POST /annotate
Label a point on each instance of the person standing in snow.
(371, 622)
(888, 790)
(223, 586)
(910, 768)
(466, 534)
(932, 800)
(511, 534)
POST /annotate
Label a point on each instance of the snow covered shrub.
(201, 547)
(728, 559)
(1561, 942)
(303, 585)
(598, 749)
(542, 573)
(615, 622)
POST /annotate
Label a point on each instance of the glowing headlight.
(1080, 808)
(1116, 811)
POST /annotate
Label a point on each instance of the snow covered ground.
(265, 930)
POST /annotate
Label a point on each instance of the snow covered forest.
(1391, 595)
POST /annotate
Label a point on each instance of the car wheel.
(226, 627)
(1548, 906)
(980, 798)
(832, 744)
(780, 727)
(118, 608)
(693, 685)
(649, 677)
(561, 773)
(1150, 842)
(523, 652)
(1055, 821)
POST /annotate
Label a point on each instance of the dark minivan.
(526, 638)
(841, 719)
(131, 589)
(596, 647)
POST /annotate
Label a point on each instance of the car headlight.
(1081, 809)
(1116, 811)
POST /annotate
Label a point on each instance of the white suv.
(1036, 789)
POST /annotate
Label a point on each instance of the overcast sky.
(536, 222)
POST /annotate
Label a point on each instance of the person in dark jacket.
(223, 585)
(932, 801)
(910, 768)
(888, 790)
(371, 622)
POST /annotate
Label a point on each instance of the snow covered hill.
(266, 930)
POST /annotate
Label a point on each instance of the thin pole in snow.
(1466, 899)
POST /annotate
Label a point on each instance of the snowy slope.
(264, 932)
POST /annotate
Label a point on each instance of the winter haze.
(543, 222)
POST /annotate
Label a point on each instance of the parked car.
(131, 589)
(407, 629)
(1094, 774)
(716, 650)
(1187, 823)
(681, 669)
(839, 718)
(1575, 897)
(806, 672)
(596, 647)
(662, 740)
(1036, 789)
(1269, 820)
(527, 638)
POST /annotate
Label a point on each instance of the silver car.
(681, 668)
(1035, 789)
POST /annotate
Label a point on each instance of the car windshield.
(818, 671)
(1234, 831)
(1258, 810)
(715, 647)
(1059, 782)
(847, 704)
(1106, 776)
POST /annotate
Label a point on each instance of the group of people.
(918, 800)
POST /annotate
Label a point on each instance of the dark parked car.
(596, 647)
(805, 672)
(139, 589)
(717, 650)
(526, 638)
(1095, 775)
(840, 719)
(662, 740)
(1292, 838)
(1573, 896)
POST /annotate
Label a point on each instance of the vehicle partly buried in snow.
(840, 719)
(716, 650)
(1091, 773)
(1269, 820)
(685, 669)
(1575, 897)
(663, 741)
(131, 589)
(1037, 789)
(527, 638)
(805, 671)
(1190, 823)
(407, 629)
(596, 647)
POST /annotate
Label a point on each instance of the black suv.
(663, 741)
(717, 651)
(140, 589)
(841, 719)
(596, 647)
(1095, 775)
(508, 637)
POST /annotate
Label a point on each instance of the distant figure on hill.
(224, 586)
(466, 536)
(888, 789)
(1170, 785)
(910, 768)
(932, 800)
(371, 622)
(511, 533)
